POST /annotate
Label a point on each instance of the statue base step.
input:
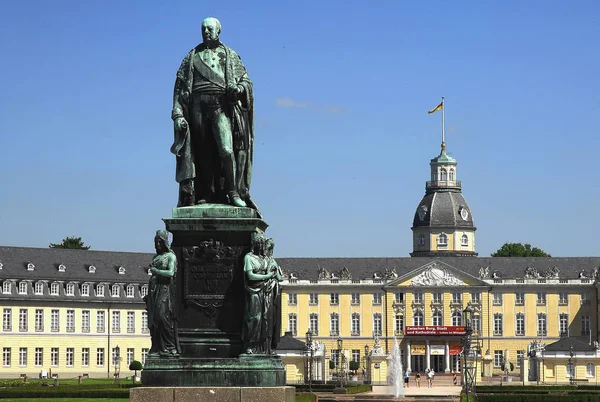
(213, 394)
(243, 371)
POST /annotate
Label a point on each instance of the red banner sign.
(434, 330)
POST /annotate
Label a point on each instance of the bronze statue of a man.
(214, 127)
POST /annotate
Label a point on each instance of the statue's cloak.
(242, 111)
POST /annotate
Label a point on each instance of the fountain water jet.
(396, 371)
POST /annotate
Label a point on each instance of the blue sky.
(343, 139)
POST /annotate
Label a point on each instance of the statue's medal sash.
(208, 73)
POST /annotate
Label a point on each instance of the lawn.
(66, 400)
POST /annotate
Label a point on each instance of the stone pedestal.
(210, 242)
(213, 394)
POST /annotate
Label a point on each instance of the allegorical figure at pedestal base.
(160, 302)
(262, 298)
(214, 127)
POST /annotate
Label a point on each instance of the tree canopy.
(71, 243)
(519, 250)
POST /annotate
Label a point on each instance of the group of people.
(429, 374)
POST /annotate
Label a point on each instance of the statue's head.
(270, 245)
(161, 240)
(258, 243)
(211, 29)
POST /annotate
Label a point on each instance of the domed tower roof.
(443, 222)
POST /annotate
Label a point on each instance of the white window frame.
(23, 320)
(6, 287)
(39, 357)
(22, 288)
(115, 290)
(85, 289)
(7, 319)
(39, 288)
(355, 324)
(70, 290)
(314, 323)
(100, 321)
(70, 321)
(377, 324)
(70, 357)
(130, 291)
(39, 320)
(293, 323)
(590, 370)
(22, 357)
(85, 357)
(519, 298)
(418, 318)
(54, 320)
(54, 289)
(100, 290)
(334, 325)
(520, 324)
(131, 322)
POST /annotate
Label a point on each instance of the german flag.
(438, 107)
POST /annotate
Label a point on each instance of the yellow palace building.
(76, 312)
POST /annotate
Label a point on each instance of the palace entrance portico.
(433, 347)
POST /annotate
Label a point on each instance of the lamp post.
(367, 368)
(309, 354)
(340, 388)
(117, 362)
(468, 358)
(571, 368)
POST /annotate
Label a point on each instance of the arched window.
(464, 239)
(418, 318)
(54, 289)
(442, 239)
(457, 318)
(437, 318)
(451, 175)
(443, 175)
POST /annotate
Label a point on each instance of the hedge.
(63, 392)
(536, 398)
(357, 389)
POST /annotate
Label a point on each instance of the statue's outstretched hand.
(180, 124)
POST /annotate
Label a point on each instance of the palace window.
(563, 325)
(85, 357)
(70, 289)
(520, 299)
(399, 324)
(116, 321)
(130, 322)
(377, 324)
(115, 291)
(457, 297)
(39, 288)
(100, 357)
(444, 175)
(476, 297)
(464, 240)
(355, 299)
(54, 357)
(144, 291)
(541, 324)
(398, 297)
(335, 357)
(85, 289)
(6, 287)
(498, 358)
(23, 320)
(377, 298)
(442, 240)
(6, 357)
(563, 298)
(520, 356)
(292, 324)
(497, 299)
(520, 324)
(498, 324)
(129, 356)
(54, 289)
(570, 370)
(7, 319)
(356, 355)
(100, 290)
(39, 320)
(476, 322)
(313, 299)
(541, 298)
(355, 329)
(418, 297)
(418, 318)
(23, 288)
(69, 357)
(590, 370)
(437, 298)
(437, 318)
(54, 321)
(334, 298)
(585, 325)
(292, 299)
(585, 298)
(39, 357)
(23, 357)
(457, 318)
(144, 355)
(145, 329)
(85, 321)
(334, 326)
(130, 291)
(314, 323)
(70, 320)
(100, 321)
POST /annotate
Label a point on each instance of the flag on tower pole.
(438, 107)
(435, 109)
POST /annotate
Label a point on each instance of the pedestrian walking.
(430, 375)
(406, 377)
(418, 379)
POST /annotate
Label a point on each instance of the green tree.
(71, 243)
(519, 250)
(135, 366)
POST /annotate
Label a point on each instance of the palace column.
(427, 355)
(447, 358)
(408, 359)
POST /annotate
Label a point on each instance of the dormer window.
(62, 268)
(54, 289)
(442, 240)
(130, 290)
(23, 288)
(85, 289)
(115, 291)
(30, 267)
(6, 287)
(121, 271)
(144, 291)
(92, 269)
(464, 240)
(100, 290)
(70, 289)
(39, 288)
